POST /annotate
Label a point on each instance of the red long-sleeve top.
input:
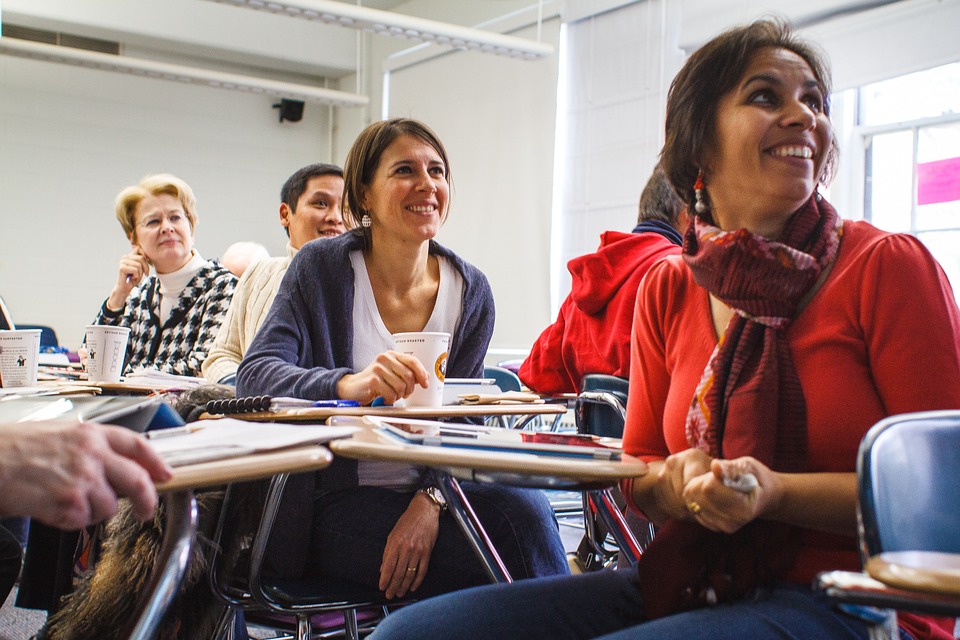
(881, 337)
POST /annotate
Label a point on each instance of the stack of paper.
(207, 440)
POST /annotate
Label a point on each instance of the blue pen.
(336, 403)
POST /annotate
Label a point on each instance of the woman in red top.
(764, 353)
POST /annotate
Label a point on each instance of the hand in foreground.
(406, 557)
(133, 267)
(392, 375)
(722, 508)
(69, 475)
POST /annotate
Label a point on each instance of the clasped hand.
(691, 486)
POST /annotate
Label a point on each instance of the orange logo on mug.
(440, 368)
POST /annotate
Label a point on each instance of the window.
(911, 135)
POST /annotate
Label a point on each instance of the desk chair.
(506, 380)
(245, 588)
(48, 337)
(512, 364)
(601, 411)
(908, 474)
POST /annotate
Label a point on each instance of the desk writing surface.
(249, 467)
(921, 570)
(369, 444)
(446, 411)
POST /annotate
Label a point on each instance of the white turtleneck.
(172, 284)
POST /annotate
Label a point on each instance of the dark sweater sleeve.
(472, 337)
(293, 352)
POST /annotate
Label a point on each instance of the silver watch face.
(434, 494)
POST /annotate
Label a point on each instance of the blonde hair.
(153, 185)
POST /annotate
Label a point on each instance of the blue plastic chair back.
(48, 337)
(909, 476)
(505, 379)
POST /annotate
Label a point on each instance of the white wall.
(71, 138)
(497, 121)
(620, 64)
(624, 59)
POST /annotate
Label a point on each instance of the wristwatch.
(434, 495)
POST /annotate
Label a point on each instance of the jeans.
(607, 605)
(351, 528)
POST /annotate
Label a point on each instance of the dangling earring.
(365, 221)
(700, 206)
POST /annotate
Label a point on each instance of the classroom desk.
(927, 571)
(320, 414)
(517, 469)
(181, 520)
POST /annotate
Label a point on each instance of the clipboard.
(411, 431)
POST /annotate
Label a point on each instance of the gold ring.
(694, 507)
(411, 569)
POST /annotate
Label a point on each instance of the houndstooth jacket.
(180, 346)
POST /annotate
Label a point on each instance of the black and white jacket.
(180, 346)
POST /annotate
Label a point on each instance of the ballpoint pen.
(174, 431)
(336, 403)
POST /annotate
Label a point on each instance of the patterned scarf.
(749, 400)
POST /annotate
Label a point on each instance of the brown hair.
(127, 200)
(712, 71)
(364, 158)
(658, 200)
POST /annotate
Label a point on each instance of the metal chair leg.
(180, 528)
(304, 627)
(225, 625)
(350, 631)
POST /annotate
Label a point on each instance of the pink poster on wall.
(938, 181)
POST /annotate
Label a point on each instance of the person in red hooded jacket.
(592, 332)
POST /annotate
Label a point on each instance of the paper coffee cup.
(430, 348)
(106, 349)
(19, 354)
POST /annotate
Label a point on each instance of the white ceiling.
(230, 38)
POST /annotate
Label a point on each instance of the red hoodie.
(592, 332)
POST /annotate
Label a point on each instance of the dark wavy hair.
(712, 71)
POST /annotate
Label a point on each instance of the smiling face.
(408, 194)
(163, 232)
(772, 140)
(317, 214)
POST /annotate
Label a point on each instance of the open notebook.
(207, 440)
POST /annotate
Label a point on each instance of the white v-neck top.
(371, 338)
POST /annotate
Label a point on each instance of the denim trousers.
(608, 605)
(351, 528)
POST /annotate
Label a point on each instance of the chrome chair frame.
(603, 510)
